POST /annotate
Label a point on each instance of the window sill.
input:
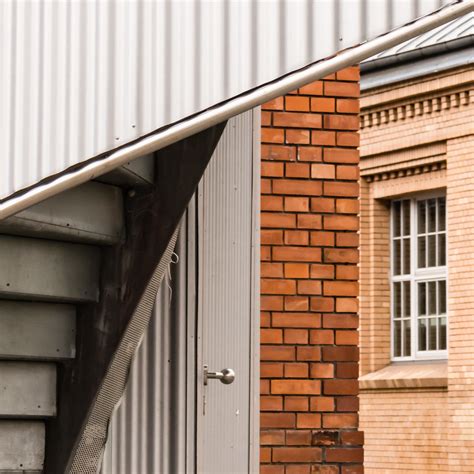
(411, 375)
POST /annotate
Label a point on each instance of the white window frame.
(415, 276)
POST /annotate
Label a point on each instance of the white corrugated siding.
(80, 78)
(148, 432)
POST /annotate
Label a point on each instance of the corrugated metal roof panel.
(81, 78)
(454, 30)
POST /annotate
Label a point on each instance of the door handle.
(226, 376)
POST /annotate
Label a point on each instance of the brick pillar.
(309, 280)
(460, 196)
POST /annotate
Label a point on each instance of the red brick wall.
(309, 280)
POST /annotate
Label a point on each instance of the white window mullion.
(414, 289)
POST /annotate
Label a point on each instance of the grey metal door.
(227, 311)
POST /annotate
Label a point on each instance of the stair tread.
(27, 389)
(48, 270)
(90, 213)
(21, 445)
(37, 330)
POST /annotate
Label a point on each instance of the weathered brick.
(271, 369)
(340, 420)
(277, 286)
(308, 420)
(269, 403)
(277, 420)
(341, 387)
(341, 89)
(296, 237)
(272, 437)
(297, 254)
(271, 336)
(323, 171)
(310, 153)
(277, 220)
(293, 403)
(296, 270)
(297, 170)
(271, 270)
(296, 320)
(278, 152)
(321, 371)
(296, 454)
(296, 303)
(295, 387)
(297, 187)
(321, 337)
(296, 370)
(296, 103)
(286, 119)
(340, 353)
(271, 203)
(271, 303)
(277, 352)
(297, 136)
(324, 137)
(273, 135)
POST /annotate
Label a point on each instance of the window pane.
(421, 299)
(432, 297)
(432, 250)
(442, 213)
(422, 334)
(441, 250)
(431, 215)
(442, 297)
(421, 252)
(421, 217)
(396, 257)
(442, 339)
(407, 338)
(406, 256)
(432, 334)
(397, 300)
(396, 218)
(397, 340)
(406, 299)
(406, 217)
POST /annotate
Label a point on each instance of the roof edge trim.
(234, 106)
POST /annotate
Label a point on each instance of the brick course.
(309, 281)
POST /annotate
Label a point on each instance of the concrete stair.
(50, 262)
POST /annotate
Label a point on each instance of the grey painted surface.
(90, 213)
(48, 270)
(153, 430)
(21, 445)
(111, 72)
(226, 265)
(37, 330)
(27, 389)
(148, 432)
(137, 173)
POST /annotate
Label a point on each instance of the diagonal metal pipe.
(234, 106)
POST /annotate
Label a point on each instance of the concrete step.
(90, 213)
(37, 330)
(138, 173)
(48, 270)
(21, 446)
(27, 389)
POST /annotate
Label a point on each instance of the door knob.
(226, 376)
